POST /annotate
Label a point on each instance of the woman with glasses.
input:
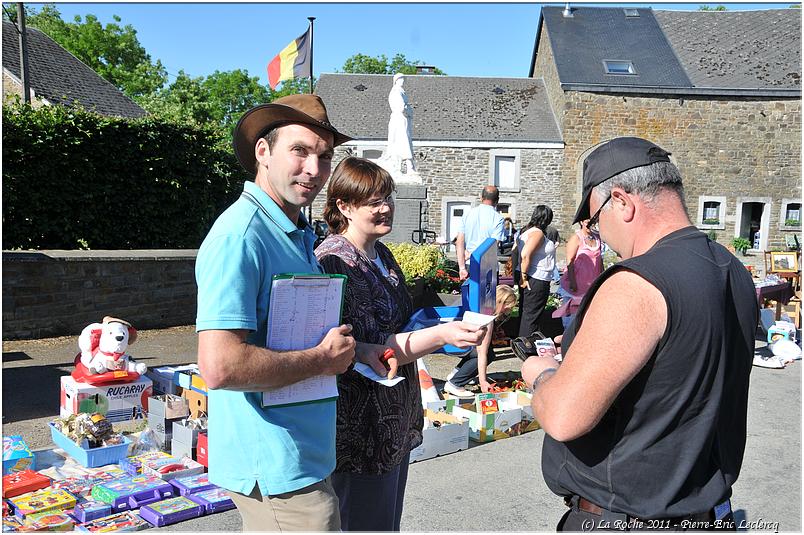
(377, 426)
(537, 261)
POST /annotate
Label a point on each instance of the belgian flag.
(292, 62)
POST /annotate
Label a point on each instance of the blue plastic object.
(93, 457)
(478, 294)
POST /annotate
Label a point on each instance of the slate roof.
(61, 78)
(749, 53)
(749, 49)
(445, 108)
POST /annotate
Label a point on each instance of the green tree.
(113, 51)
(218, 99)
(363, 64)
(707, 7)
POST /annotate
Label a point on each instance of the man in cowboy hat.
(645, 418)
(275, 461)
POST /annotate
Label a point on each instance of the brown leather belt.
(589, 507)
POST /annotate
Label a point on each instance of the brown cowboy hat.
(256, 122)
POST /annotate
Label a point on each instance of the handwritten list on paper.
(301, 311)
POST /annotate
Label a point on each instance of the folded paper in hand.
(477, 319)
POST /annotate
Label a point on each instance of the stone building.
(467, 133)
(721, 90)
(58, 77)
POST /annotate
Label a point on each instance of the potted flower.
(740, 244)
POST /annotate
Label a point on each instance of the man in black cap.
(275, 461)
(645, 418)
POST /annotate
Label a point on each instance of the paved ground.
(490, 487)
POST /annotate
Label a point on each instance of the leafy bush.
(712, 235)
(711, 221)
(75, 179)
(792, 222)
(426, 262)
(740, 244)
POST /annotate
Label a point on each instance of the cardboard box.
(184, 377)
(201, 449)
(183, 433)
(487, 427)
(520, 399)
(180, 449)
(451, 434)
(781, 330)
(156, 467)
(119, 402)
(168, 407)
(197, 402)
(16, 455)
(198, 384)
(163, 378)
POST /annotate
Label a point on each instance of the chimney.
(425, 69)
(567, 11)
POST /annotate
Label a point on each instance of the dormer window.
(617, 66)
(630, 13)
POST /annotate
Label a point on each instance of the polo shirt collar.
(274, 211)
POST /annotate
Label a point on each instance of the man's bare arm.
(603, 358)
(227, 361)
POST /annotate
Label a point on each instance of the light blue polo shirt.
(481, 222)
(281, 448)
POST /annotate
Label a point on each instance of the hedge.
(74, 179)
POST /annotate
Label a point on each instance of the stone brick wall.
(54, 293)
(740, 148)
(461, 172)
(11, 88)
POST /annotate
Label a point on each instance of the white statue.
(400, 126)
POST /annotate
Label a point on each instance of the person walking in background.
(537, 261)
(645, 418)
(478, 224)
(377, 425)
(584, 264)
(509, 235)
(475, 364)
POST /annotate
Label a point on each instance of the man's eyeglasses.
(375, 205)
(593, 221)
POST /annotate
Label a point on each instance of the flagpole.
(311, 19)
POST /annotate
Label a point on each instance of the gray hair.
(646, 181)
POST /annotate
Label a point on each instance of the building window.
(615, 66)
(369, 152)
(711, 212)
(504, 169)
(630, 13)
(791, 214)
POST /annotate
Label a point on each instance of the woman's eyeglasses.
(375, 205)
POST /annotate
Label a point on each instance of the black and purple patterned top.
(377, 425)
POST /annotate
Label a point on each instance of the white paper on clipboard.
(302, 309)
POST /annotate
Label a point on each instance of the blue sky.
(462, 39)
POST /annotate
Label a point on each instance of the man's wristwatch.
(542, 377)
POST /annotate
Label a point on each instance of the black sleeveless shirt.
(672, 442)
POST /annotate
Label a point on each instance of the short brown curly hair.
(354, 181)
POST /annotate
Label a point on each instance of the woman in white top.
(537, 262)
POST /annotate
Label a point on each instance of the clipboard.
(302, 308)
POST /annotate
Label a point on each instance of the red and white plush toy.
(103, 347)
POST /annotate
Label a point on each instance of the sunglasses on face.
(593, 221)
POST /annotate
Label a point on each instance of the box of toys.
(124, 521)
(442, 434)
(132, 492)
(18, 483)
(16, 455)
(171, 511)
(41, 501)
(119, 402)
(492, 426)
(214, 500)
(520, 399)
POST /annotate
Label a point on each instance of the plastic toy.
(125, 521)
(84, 512)
(103, 357)
(21, 482)
(214, 500)
(192, 484)
(42, 501)
(16, 455)
(132, 492)
(171, 511)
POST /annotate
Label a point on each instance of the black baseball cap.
(612, 158)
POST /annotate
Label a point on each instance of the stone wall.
(54, 293)
(743, 149)
(461, 172)
(12, 88)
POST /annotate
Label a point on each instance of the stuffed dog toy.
(103, 347)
